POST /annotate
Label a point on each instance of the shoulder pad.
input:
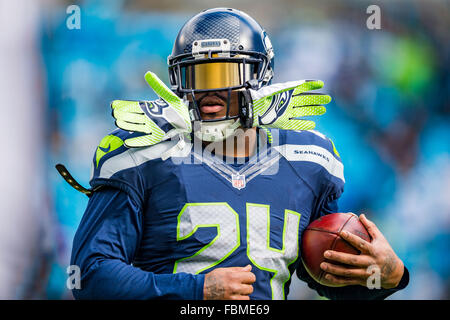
(313, 147)
(112, 156)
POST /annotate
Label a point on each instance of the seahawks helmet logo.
(267, 45)
(277, 108)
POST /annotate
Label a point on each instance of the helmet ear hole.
(268, 77)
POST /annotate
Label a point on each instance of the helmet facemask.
(212, 68)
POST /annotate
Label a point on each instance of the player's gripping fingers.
(240, 289)
(371, 227)
(357, 242)
(228, 283)
(350, 259)
(342, 281)
(245, 275)
(241, 281)
(246, 289)
(345, 271)
(238, 269)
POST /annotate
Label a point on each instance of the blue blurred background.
(389, 118)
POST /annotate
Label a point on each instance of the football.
(323, 234)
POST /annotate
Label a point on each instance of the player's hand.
(281, 105)
(159, 120)
(376, 256)
(233, 283)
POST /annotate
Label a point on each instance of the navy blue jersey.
(154, 227)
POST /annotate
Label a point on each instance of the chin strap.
(180, 149)
(246, 109)
(216, 131)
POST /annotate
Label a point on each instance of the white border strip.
(315, 154)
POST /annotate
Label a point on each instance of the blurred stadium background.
(389, 118)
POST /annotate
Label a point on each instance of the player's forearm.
(116, 280)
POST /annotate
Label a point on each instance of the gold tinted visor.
(215, 75)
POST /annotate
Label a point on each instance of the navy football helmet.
(221, 49)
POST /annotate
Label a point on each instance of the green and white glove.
(275, 106)
(280, 105)
(159, 119)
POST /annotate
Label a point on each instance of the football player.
(205, 192)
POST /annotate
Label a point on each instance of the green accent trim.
(286, 212)
(334, 149)
(238, 242)
(269, 134)
(111, 143)
(179, 238)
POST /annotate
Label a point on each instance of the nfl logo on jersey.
(238, 181)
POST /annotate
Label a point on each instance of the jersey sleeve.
(328, 199)
(104, 247)
(331, 184)
(318, 163)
